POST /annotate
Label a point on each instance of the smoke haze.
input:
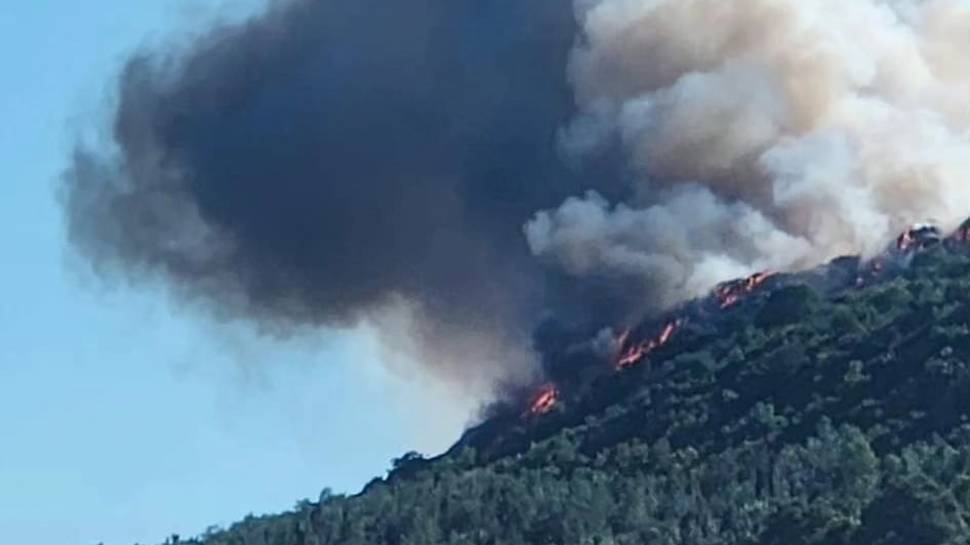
(458, 171)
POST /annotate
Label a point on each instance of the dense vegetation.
(801, 416)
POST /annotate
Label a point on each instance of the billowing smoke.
(761, 134)
(336, 161)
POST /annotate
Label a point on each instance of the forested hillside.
(828, 408)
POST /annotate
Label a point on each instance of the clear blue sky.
(122, 417)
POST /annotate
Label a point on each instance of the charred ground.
(827, 407)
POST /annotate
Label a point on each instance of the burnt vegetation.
(829, 407)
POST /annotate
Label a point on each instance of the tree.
(788, 305)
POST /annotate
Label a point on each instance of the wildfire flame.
(732, 293)
(632, 355)
(544, 400)
(918, 237)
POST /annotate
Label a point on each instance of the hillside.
(827, 407)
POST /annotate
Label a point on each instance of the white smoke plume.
(761, 134)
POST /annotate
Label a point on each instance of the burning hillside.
(811, 412)
(635, 346)
(479, 176)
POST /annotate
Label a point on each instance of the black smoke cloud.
(327, 160)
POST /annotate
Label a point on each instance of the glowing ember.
(632, 355)
(733, 292)
(545, 400)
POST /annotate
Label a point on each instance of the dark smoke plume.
(327, 160)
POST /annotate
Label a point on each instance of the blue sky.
(124, 418)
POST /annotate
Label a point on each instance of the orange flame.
(545, 400)
(733, 292)
(638, 352)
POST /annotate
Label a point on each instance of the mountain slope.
(831, 407)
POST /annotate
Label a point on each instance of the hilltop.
(826, 407)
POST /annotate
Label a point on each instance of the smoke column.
(458, 171)
(761, 134)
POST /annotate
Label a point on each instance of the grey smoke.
(763, 134)
(328, 163)
(332, 162)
